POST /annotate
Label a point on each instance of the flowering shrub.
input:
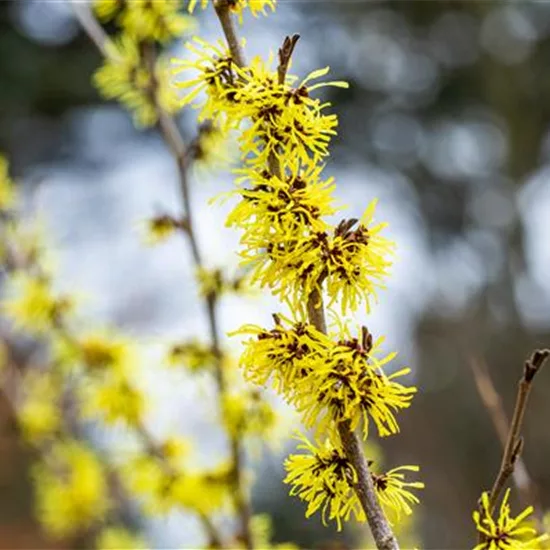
(333, 374)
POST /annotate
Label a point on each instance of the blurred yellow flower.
(125, 76)
(71, 489)
(98, 351)
(32, 305)
(114, 399)
(7, 191)
(39, 414)
(118, 538)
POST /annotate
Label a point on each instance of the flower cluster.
(328, 381)
(256, 7)
(324, 477)
(333, 379)
(157, 20)
(286, 122)
(72, 491)
(127, 76)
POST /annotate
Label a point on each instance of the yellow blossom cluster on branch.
(256, 7)
(336, 380)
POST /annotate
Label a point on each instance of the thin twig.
(378, 523)
(174, 140)
(493, 403)
(223, 11)
(93, 29)
(285, 55)
(514, 442)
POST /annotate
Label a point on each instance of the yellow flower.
(107, 9)
(247, 414)
(193, 354)
(32, 305)
(205, 492)
(324, 478)
(350, 385)
(238, 6)
(276, 210)
(71, 489)
(287, 123)
(7, 191)
(193, 4)
(357, 261)
(210, 282)
(97, 352)
(158, 20)
(161, 490)
(506, 532)
(118, 538)
(39, 414)
(114, 399)
(393, 490)
(126, 77)
(212, 149)
(161, 228)
(175, 450)
(282, 355)
(216, 77)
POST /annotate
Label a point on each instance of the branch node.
(516, 452)
(535, 363)
(285, 54)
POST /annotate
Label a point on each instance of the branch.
(509, 435)
(174, 140)
(223, 12)
(91, 26)
(379, 526)
(285, 54)
(493, 403)
(514, 442)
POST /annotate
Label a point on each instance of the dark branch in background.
(175, 142)
(514, 441)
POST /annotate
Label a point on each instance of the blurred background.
(446, 122)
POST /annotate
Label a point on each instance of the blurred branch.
(91, 26)
(174, 140)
